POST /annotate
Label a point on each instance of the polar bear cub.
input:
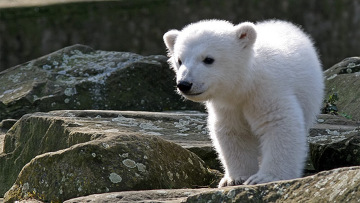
(263, 87)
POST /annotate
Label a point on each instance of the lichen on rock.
(79, 77)
(76, 157)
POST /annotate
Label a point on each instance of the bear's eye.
(179, 62)
(208, 60)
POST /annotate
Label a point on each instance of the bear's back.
(281, 35)
(287, 61)
(282, 48)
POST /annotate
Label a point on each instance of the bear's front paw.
(227, 181)
(260, 178)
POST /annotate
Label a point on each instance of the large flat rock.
(79, 77)
(40, 133)
(65, 154)
(340, 185)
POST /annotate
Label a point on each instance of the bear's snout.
(184, 86)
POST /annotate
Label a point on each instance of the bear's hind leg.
(283, 146)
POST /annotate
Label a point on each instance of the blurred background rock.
(32, 28)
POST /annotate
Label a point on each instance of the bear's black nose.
(184, 86)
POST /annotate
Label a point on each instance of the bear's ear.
(169, 39)
(246, 33)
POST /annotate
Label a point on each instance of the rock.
(6, 124)
(178, 195)
(340, 153)
(114, 163)
(2, 137)
(208, 155)
(79, 77)
(334, 143)
(67, 150)
(77, 139)
(88, 146)
(343, 79)
(339, 185)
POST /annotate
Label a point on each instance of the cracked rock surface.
(67, 154)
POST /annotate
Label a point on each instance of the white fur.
(262, 93)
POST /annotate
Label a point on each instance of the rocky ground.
(60, 151)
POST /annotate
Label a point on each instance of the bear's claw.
(226, 181)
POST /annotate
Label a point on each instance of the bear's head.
(212, 58)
